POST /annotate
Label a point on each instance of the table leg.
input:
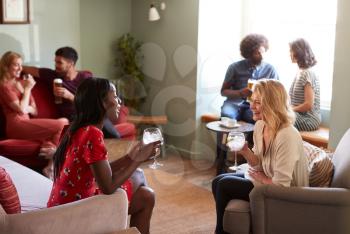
(221, 153)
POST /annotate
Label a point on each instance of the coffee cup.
(57, 83)
(228, 122)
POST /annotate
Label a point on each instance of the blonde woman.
(19, 106)
(277, 156)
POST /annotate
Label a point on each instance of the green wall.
(170, 64)
(90, 26)
(340, 110)
(102, 22)
(48, 30)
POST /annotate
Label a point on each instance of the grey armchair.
(102, 214)
(275, 210)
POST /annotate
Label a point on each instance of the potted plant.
(130, 78)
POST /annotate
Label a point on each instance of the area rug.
(181, 207)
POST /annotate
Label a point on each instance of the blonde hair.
(275, 108)
(5, 63)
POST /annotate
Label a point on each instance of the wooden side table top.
(141, 119)
(241, 127)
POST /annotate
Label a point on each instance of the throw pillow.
(320, 166)
(321, 173)
(8, 194)
(312, 153)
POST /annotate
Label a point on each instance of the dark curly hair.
(251, 43)
(302, 52)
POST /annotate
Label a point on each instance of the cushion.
(237, 217)
(320, 166)
(44, 100)
(321, 173)
(2, 124)
(341, 161)
(33, 195)
(8, 194)
(19, 148)
(126, 130)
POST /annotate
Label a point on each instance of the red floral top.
(76, 180)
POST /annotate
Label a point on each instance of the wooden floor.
(198, 172)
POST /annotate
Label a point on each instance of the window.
(281, 22)
(284, 21)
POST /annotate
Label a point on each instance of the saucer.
(229, 127)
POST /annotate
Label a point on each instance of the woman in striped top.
(305, 90)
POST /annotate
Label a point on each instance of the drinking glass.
(151, 135)
(235, 142)
(251, 83)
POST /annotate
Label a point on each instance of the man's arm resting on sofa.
(98, 214)
(34, 71)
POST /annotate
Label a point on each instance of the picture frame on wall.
(14, 11)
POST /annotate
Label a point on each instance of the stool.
(318, 138)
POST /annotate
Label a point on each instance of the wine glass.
(235, 142)
(151, 135)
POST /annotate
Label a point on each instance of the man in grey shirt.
(234, 87)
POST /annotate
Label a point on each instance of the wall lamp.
(153, 14)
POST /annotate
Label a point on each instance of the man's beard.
(256, 61)
(61, 73)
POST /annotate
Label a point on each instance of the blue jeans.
(109, 130)
(237, 111)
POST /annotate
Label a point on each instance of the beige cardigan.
(284, 160)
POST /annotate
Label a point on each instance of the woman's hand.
(245, 151)
(31, 110)
(47, 152)
(249, 155)
(259, 176)
(29, 82)
(141, 152)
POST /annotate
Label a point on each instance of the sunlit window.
(284, 21)
(223, 23)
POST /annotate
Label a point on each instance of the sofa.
(26, 151)
(274, 209)
(98, 214)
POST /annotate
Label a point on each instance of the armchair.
(274, 209)
(97, 214)
(83, 216)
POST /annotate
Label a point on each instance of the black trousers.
(226, 187)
